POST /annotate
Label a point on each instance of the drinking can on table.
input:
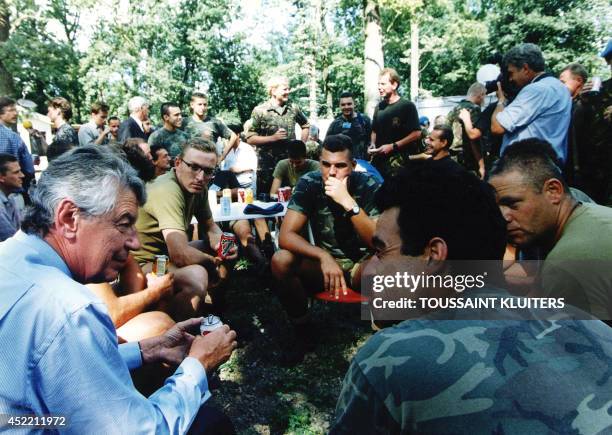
(249, 196)
(209, 324)
(284, 194)
(242, 195)
(160, 265)
(226, 206)
(227, 242)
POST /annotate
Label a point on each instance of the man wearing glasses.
(338, 203)
(173, 199)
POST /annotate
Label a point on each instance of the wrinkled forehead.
(511, 184)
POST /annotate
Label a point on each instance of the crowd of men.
(528, 178)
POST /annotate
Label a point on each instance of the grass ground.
(258, 394)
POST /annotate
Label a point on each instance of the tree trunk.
(373, 55)
(414, 59)
(7, 85)
(312, 60)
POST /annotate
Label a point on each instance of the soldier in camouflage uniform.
(170, 136)
(337, 203)
(465, 148)
(596, 126)
(457, 371)
(272, 125)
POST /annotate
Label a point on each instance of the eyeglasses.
(196, 169)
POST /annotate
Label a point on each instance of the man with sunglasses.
(163, 226)
(338, 203)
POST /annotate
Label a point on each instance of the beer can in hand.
(160, 265)
(227, 242)
(209, 324)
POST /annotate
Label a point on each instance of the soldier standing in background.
(271, 128)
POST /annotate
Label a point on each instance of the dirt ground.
(260, 395)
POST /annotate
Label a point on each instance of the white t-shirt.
(243, 157)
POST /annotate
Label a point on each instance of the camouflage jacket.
(172, 141)
(266, 119)
(332, 231)
(480, 377)
(461, 142)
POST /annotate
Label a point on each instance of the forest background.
(111, 50)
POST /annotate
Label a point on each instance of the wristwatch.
(395, 147)
(352, 212)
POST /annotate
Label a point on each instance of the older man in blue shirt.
(64, 359)
(542, 108)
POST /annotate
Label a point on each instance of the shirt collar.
(3, 197)
(138, 121)
(49, 256)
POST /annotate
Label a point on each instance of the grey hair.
(136, 103)
(91, 177)
(476, 89)
(522, 54)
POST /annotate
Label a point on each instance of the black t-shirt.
(444, 165)
(393, 122)
(225, 180)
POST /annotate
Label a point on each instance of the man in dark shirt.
(437, 145)
(59, 111)
(395, 128)
(355, 125)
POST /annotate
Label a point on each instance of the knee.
(159, 321)
(281, 263)
(192, 279)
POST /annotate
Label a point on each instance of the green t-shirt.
(332, 231)
(579, 267)
(211, 128)
(172, 141)
(288, 175)
(168, 206)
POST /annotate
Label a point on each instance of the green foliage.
(43, 65)
(164, 53)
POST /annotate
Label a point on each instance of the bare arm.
(124, 308)
(181, 253)
(213, 231)
(304, 136)
(276, 184)
(291, 240)
(230, 144)
(363, 224)
(102, 136)
(258, 140)
(472, 132)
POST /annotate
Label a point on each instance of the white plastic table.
(237, 211)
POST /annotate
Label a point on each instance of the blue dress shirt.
(11, 143)
(59, 353)
(542, 109)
